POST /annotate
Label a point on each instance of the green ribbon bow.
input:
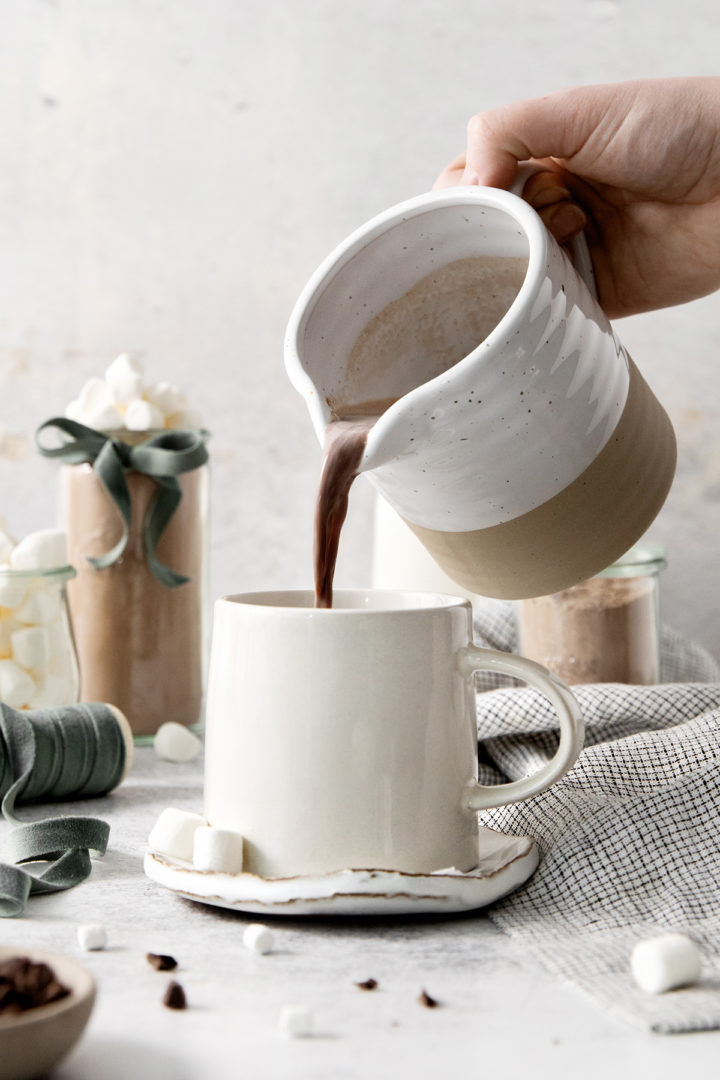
(162, 457)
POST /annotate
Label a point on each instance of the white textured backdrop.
(171, 171)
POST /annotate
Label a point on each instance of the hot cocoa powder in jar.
(605, 629)
(139, 642)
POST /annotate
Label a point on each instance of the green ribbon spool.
(162, 457)
(77, 751)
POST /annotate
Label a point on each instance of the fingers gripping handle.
(581, 257)
(572, 727)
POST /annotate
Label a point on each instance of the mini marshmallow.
(217, 849)
(12, 590)
(186, 419)
(296, 1022)
(6, 545)
(94, 396)
(258, 938)
(105, 419)
(7, 626)
(30, 647)
(167, 398)
(124, 377)
(665, 963)
(41, 606)
(142, 416)
(173, 742)
(174, 833)
(54, 690)
(92, 937)
(16, 686)
(41, 550)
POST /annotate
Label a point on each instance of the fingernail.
(565, 221)
(470, 178)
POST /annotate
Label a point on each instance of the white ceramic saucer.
(504, 863)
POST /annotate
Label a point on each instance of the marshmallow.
(125, 380)
(41, 606)
(105, 419)
(296, 1022)
(166, 397)
(7, 626)
(258, 938)
(95, 396)
(6, 545)
(16, 686)
(54, 690)
(30, 647)
(173, 742)
(91, 938)
(666, 962)
(174, 833)
(142, 416)
(217, 849)
(12, 589)
(186, 419)
(41, 550)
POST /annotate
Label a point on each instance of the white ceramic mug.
(346, 738)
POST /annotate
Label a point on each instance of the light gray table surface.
(500, 1016)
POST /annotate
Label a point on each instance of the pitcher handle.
(572, 727)
(581, 258)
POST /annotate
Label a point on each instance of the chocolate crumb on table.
(25, 985)
(174, 997)
(160, 961)
(368, 984)
(427, 1001)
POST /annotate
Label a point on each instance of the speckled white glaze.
(346, 738)
(514, 422)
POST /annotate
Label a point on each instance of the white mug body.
(345, 738)
(341, 739)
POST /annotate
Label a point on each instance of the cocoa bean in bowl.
(45, 1001)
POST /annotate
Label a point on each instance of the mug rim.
(277, 600)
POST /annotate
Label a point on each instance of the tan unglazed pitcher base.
(581, 530)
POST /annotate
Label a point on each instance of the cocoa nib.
(25, 984)
(161, 962)
(175, 996)
(427, 1001)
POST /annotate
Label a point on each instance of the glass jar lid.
(646, 557)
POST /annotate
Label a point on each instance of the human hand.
(636, 164)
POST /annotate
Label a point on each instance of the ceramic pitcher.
(533, 460)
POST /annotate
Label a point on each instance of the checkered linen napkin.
(630, 838)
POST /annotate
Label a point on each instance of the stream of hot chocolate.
(343, 449)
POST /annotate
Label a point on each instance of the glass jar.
(38, 664)
(139, 641)
(605, 629)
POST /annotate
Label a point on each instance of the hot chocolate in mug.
(514, 434)
(346, 738)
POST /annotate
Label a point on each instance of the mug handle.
(581, 258)
(572, 726)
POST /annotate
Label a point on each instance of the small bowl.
(35, 1040)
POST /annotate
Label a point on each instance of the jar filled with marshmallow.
(38, 665)
(605, 629)
(134, 496)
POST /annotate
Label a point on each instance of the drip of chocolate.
(345, 440)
